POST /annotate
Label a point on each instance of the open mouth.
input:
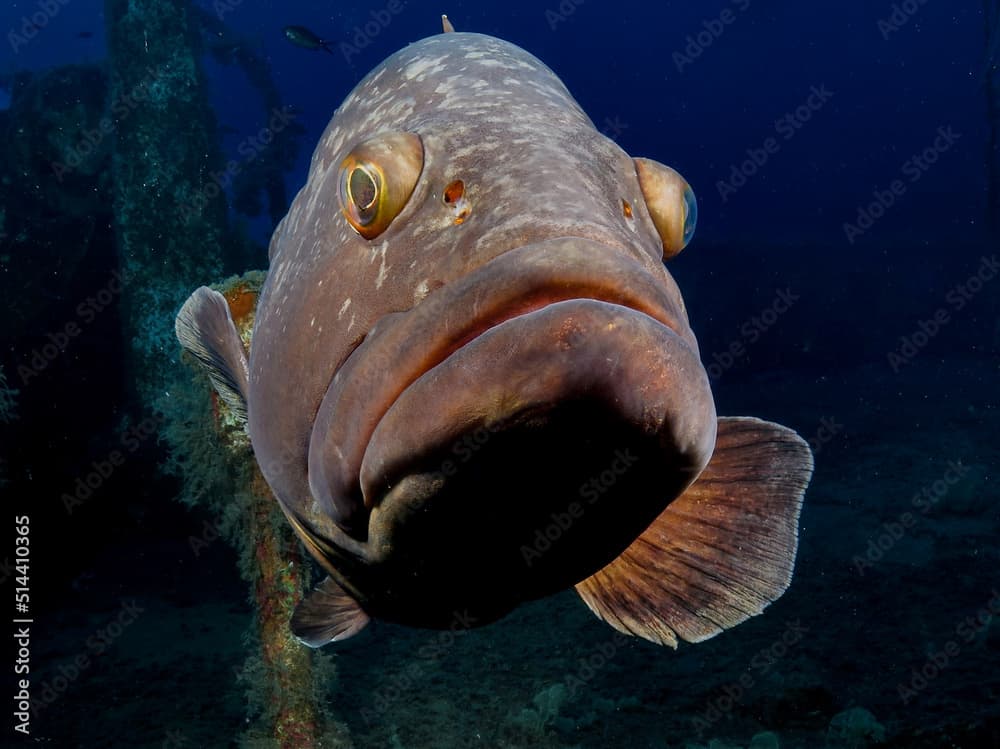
(480, 350)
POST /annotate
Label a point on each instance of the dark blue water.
(842, 280)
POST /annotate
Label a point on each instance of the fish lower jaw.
(531, 482)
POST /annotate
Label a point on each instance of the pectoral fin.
(328, 614)
(719, 553)
(205, 328)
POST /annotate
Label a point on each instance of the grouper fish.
(472, 382)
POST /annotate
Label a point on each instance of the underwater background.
(842, 281)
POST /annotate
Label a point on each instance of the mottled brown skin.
(545, 321)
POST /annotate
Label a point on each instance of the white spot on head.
(421, 291)
(423, 66)
(343, 307)
(383, 273)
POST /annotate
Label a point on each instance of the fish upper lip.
(397, 351)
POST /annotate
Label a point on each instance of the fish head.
(472, 378)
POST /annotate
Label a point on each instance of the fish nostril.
(454, 192)
(454, 196)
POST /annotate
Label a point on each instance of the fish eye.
(377, 179)
(672, 204)
(362, 188)
(362, 193)
(690, 215)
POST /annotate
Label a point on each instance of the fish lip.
(516, 310)
(397, 351)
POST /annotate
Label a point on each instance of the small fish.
(300, 36)
(472, 381)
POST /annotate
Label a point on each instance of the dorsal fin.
(205, 327)
(446, 24)
(719, 553)
(328, 614)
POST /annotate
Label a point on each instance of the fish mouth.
(557, 331)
